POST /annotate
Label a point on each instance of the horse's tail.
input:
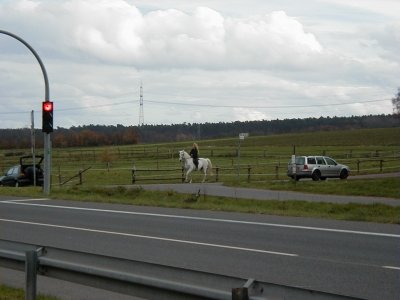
(209, 166)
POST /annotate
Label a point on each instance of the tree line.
(102, 135)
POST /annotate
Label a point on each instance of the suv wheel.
(316, 175)
(344, 174)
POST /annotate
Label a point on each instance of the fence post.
(217, 174)
(276, 172)
(80, 176)
(31, 260)
(358, 166)
(183, 175)
(157, 157)
(248, 173)
(381, 165)
(59, 176)
(133, 174)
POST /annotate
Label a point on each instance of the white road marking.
(390, 267)
(149, 237)
(25, 200)
(209, 219)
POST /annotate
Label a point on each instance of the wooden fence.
(277, 171)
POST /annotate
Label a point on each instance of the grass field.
(262, 163)
(262, 157)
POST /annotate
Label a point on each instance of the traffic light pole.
(47, 139)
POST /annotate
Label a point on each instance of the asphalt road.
(350, 258)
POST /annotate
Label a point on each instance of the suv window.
(321, 161)
(300, 160)
(330, 161)
(12, 171)
(311, 160)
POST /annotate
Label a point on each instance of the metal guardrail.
(141, 279)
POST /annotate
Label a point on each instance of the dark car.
(316, 167)
(23, 174)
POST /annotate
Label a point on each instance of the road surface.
(350, 258)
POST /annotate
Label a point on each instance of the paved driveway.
(217, 189)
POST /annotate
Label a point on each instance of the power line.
(250, 106)
(207, 105)
(77, 108)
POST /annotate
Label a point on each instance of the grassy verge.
(9, 293)
(137, 196)
(381, 187)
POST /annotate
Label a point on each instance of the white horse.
(204, 164)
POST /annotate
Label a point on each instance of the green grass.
(9, 293)
(138, 196)
(379, 187)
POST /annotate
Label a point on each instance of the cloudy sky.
(198, 61)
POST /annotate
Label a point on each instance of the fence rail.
(258, 171)
(140, 279)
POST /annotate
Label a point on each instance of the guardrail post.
(240, 294)
(31, 261)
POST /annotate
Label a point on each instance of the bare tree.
(396, 102)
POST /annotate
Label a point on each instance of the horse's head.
(181, 155)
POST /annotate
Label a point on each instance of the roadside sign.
(243, 135)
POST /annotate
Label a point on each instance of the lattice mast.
(141, 113)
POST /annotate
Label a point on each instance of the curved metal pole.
(47, 141)
(46, 80)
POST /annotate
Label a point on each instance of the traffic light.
(47, 116)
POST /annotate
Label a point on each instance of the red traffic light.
(47, 106)
(47, 116)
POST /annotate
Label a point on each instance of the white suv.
(317, 167)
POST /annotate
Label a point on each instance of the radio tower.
(141, 113)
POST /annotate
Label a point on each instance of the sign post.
(242, 136)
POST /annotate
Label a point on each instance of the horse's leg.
(189, 175)
(205, 174)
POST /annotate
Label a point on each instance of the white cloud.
(117, 32)
(262, 53)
